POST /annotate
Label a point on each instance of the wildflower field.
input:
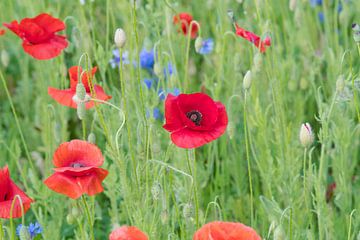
(180, 120)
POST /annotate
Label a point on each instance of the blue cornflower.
(169, 70)
(148, 82)
(315, 3)
(34, 229)
(321, 17)
(207, 46)
(157, 114)
(147, 59)
(162, 94)
(115, 61)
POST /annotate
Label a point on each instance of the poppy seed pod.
(247, 80)
(120, 38)
(306, 135)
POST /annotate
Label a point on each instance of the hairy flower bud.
(80, 91)
(306, 135)
(356, 32)
(120, 38)
(156, 190)
(247, 80)
(198, 44)
(158, 69)
(24, 233)
(188, 210)
(91, 138)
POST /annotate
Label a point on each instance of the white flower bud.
(306, 135)
(24, 233)
(158, 69)
(5, 59)
(120, 38)
(198, 44)
(247, 80)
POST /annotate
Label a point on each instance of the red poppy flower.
(127, 233)
(194, 119)
(2, 31)
(65, 97)
(251, 37)
(77, 169)
(226, 231)
(38, 35)
(8, 191)
(186, 19)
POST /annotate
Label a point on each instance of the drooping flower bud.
(198, 44)
(5, 59)
(91, 138)
(80, 91)
(120, 38)
(247, 80)
(306, 135)
(356, 32)
(81, 110)
(340, 83)
(158, 69)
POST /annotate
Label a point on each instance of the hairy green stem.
(91, 226)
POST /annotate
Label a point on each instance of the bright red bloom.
(38, 35)
(65, 97)
(194, 119)
(186, 19)
(8, 191)
(2, 31)
(226, 231)
(127, 233)
(77, 169)
(251, 37)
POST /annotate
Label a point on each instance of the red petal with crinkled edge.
(46, 50)
(226, 231)
(127, 233)
(13, 26)
(189, 138)
(65, 97)
(185, 19)
(253, 38)
(75, 185)
(172, 114)
(78, 152)
(49, 23)
(8, 191)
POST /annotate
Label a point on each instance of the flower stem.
(248, 162)
(128, 126)
(304, 172)
(1, 230)
(91, 226)
(17, 122)
(192, 171)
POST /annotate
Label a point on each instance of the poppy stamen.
(77, 165)
(195, 116)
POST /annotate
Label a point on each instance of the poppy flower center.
(77, 165)
(195, 116)
(5, 196)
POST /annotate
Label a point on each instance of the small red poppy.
(66, 97)
(194, 119)
(77, 169)
(8, 191)
(255, 39)
(38, 35)
(226, 231)
(186, 19)
(127, 233)
(2, 31)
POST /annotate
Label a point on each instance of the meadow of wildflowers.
(180, 120)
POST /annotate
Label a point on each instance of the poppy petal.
(127, 233)
(64, 184)
(100, 95)
(78, 152)
(46, 50)
(172, 114)
(13, 26)
(49, 23)
(64, 97)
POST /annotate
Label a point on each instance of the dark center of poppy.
(195, 116)
(77, 165)
(5, 197)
